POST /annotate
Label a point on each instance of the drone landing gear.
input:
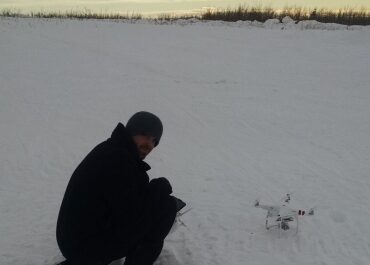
(282, 223)
(284, 226)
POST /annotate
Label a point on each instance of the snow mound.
(287, 20)
(286, 23)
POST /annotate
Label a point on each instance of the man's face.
(144, 144)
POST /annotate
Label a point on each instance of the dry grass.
(87, 14)
(346, 16)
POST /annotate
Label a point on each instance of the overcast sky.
(158, 6)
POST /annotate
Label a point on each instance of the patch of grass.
(11, 13)
(240, 13)
(343, 16)
(174, 17)
(86, 14)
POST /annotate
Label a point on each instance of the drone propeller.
(287, 197)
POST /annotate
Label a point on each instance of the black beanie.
(145, 123)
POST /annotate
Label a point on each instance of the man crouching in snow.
(110, 209)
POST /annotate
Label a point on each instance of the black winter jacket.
(107, 196)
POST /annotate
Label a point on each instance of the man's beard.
(143, 152)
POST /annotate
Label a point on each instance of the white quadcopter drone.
(280, 215)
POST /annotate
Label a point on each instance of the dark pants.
(144, 251)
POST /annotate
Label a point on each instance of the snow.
(249, 111)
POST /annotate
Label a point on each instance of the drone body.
(280, 215)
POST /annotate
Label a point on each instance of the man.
(110, 209)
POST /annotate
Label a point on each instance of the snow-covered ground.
(250, 111)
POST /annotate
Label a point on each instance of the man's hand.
(160, 185)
